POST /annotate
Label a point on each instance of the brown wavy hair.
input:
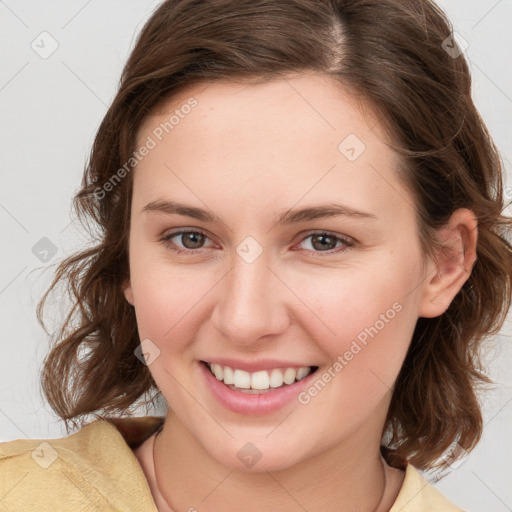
(391, 54)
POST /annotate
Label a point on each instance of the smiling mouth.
(263, 381)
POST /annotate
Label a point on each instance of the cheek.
(373, 321)
(168, 300)
(168, 308)
(363, 318)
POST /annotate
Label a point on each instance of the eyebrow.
(288, 217)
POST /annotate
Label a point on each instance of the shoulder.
(94, 467)
(418, 495)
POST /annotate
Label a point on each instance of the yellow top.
(95, 469)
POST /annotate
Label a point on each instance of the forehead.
(309, 101)
(283, 140)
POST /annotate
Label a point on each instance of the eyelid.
(165, 239)
(347, 241)
(345, 238)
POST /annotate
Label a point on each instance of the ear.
(453, 264)
(128, 292)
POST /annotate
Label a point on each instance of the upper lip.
(255, 366)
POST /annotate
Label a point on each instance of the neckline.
(136, 430)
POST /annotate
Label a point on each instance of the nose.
(251, 304)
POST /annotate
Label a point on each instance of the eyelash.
(348, 244)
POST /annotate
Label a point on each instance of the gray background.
(51, 108)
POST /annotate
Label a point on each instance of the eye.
(191, 240)
(326, 242)
(320, 242)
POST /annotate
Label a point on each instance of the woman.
(302, 249)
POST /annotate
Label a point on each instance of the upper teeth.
(258, 380)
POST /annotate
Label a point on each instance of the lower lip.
(253, 404)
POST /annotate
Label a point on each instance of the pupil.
(321, 246)
(195, 238)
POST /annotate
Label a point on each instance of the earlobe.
(453, 264)
(128, 292)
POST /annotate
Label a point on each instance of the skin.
(247, 153)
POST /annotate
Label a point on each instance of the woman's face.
(302, 251)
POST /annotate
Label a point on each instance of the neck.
(350, 476)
